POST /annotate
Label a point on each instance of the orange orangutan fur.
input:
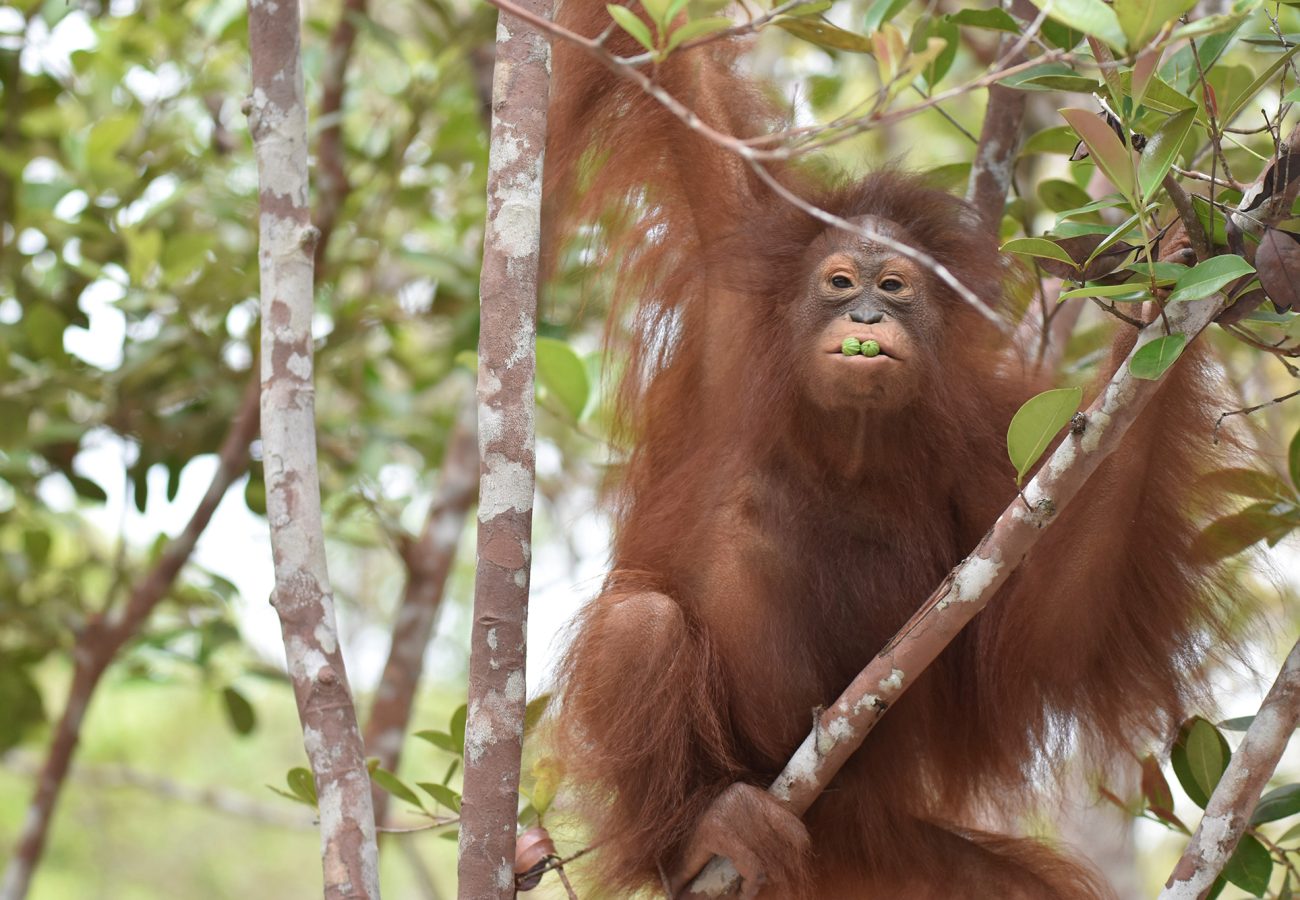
(766, 550)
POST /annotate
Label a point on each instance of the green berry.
(851, 347)
(870, 348)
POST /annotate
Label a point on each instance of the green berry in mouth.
(851, 347)
(870, 348)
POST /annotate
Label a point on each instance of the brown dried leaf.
(1277, 263)
(533, 850)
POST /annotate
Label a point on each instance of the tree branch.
(99, 641)
(428, 563)
(333, 187)
(1228, 813)
(278, 122)
(507, 363)
(993, 169)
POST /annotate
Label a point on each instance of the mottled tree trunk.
(495, 725)
(302, 598)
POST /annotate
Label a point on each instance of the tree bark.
(302, 598)
(1228, 813)
(428, 564)
(495, 724)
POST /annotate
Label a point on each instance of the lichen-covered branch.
(99, 641)
(1230, 807)
(428, 563)
(278, 121)
(495, 725)
(332, 186)
(995, 157)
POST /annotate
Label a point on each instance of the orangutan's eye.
(892, 285)
(841, 282)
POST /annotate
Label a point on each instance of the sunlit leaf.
(632, 24)
(992, 19)
(824, 34)
(1161, 151)
(1040, 247)
(1199, 757)
(1037, 423)
(880, 12)
(1093, 17)
(441, 794)
(1155, 357)
(1142, 19)
(1209, 277)
(1122, 293)
(561, 372)
(395, 786)
(302, 784)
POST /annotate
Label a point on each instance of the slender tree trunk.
(101, 639)
(302, 598)
(495, 725)
(428, 564)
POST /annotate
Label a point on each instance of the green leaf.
(394, 785)
(1036, 423)
(1058, 195)
(1199, 757)
(1246, 483)
(919, 43)
(1228, 536)
(239, 711)
(1051, 77)
(534, 711)
(1269, 75)
(1057, 139)
(824, 34)
(1277, 804)
(302, 784)
(698, 28)
(880, 12)
(108, 135)
(1123, 293)
(1162, 272)
(1238, 723)
(1038, 247)
(1142, 19)
(440, 739)
(547, 773)
(442, 795)
(1161, 151)
(1153, 358)
(1111, 155)
(87, 489)
(1293, 460)
(457, 729)
(1209, 277)
(658, 10)
(1093, 17)
(992, 19)
(632, 24)
(1250, 866)
(561, 372)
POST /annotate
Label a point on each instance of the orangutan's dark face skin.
(864, 290)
